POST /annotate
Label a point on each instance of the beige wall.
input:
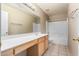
(58, 17)
(72, 26)
(43, 18)
(19, 22)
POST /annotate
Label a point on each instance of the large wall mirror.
(18, 19)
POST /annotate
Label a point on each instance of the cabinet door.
(40, 48)
(46, 42)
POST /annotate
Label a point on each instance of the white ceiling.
(52, 9)
(55, 11)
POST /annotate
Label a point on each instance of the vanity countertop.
(9, 42)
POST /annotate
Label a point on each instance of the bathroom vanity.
(33, 44)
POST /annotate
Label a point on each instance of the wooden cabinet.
(46, 42)
(24, 46)
(41, 46)
(35, 47)
(38, 49)
(7, 53)
(32, 51)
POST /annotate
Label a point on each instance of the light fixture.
(29, 5)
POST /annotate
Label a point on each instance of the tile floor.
(57, 50)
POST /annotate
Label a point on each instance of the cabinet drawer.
(7, 53)
(24, 46)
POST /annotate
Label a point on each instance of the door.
(4, 23)
(74, 29)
